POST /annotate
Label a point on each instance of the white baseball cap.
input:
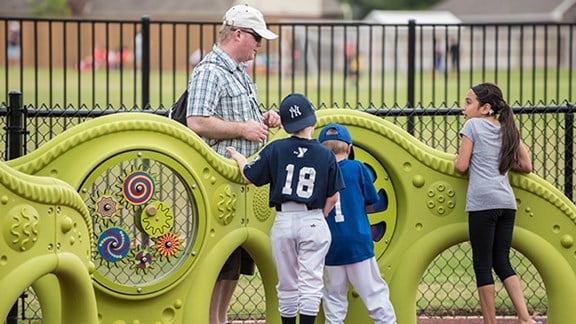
(244, 16)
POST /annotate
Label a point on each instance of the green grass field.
(70, 88)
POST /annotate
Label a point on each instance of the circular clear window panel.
(145, 210)
(383, 215)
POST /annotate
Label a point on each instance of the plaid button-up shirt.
(221, 88)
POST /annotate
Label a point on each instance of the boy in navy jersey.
(350, 258)
(304, 180)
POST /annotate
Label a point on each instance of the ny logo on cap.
(294, 111)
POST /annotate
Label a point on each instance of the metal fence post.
(569, 153)
(411, 72)
(145, 62)
(15, 126)
(15, 133)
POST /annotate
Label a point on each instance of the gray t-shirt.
(487, 188)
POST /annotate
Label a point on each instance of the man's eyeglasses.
(257, 37)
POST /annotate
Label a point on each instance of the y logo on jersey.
(301, 151)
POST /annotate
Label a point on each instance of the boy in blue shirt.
(350, 258)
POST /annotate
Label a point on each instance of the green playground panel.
(158, 212)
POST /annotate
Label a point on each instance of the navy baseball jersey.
(348, 221)
(297, 169)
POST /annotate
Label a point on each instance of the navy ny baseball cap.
(296, 113)
(340, 134)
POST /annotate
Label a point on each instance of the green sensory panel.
(153, 214)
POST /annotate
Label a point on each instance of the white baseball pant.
(299, 242)
(365, 278)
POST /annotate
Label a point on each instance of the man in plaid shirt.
(222, 103)
(223, 109)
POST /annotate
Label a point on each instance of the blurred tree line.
(358, 8)
(59, 8)
(361, 8)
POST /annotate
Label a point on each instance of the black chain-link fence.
(448, 287)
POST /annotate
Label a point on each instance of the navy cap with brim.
(299, 124)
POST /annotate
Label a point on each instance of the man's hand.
(271, 118)
(254, 131)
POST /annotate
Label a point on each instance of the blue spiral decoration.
(113, 244)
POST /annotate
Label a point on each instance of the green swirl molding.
(44, 190)
(546, 191)
(440, 162)
(124, 123)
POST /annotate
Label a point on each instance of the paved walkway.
(422, 320)
(468, 320)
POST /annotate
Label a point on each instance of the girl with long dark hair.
(490, 147)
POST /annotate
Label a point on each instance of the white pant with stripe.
(299, 242)
(372, 289)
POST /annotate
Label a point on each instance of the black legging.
(491, 238)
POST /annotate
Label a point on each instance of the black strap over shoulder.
(178, 109)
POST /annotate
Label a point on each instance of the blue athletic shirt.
(297, 169)
(348, 221)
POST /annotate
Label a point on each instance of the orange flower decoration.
(168, 244)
